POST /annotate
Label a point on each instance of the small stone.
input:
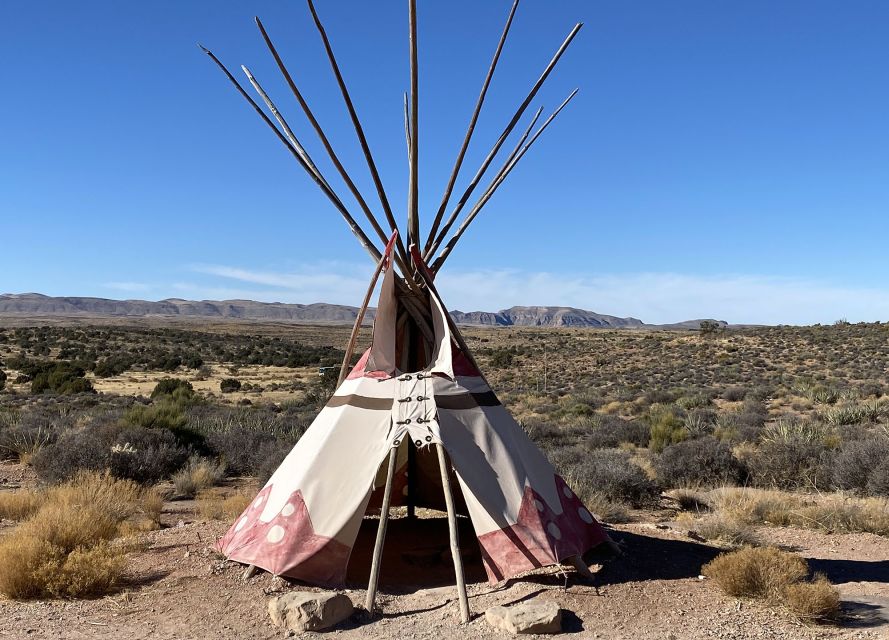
(528, 617)
(309, 611)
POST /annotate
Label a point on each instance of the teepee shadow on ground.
(416, 554)
(653, 558)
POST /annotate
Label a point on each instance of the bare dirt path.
(178, 588)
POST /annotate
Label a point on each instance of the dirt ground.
(177, 587)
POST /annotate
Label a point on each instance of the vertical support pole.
(370, 602)
(455, 539)
(411, 480)
(413, 227)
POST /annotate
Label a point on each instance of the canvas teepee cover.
(304, 522)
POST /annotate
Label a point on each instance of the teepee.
(415, 415)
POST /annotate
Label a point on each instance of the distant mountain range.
(38, 305)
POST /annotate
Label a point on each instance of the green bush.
(2, 379)
(63, 378)
(666, 427)
(162, 415)
(175, 387)
(229, 385)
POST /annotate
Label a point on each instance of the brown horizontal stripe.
(467, 400)
(362, 402)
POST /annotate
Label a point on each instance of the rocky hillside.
(38, 305)
(35, 304)
(545, 317)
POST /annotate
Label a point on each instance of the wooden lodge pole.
(353, 338)
(325, 188)
(454, 534)
(511, 161)
(469, 130)
(433, 247)
(370, 602)
(413, 216)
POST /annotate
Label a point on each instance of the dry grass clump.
(727, 532)
(777, 576)
(66, 548)
(756, 572)
(816, 601)
(19, 505)
(689, 500)
(605, 509)
(830, 512)
(213, 506)
(199, 474)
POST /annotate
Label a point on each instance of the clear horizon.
(724, 161)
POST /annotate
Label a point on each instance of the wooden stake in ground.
(443, 466)
(370, 602)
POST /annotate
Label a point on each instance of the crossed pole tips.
(413, 257)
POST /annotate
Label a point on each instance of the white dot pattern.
(585, 515)
(275, 534)
(554, 530)
(539, 505)
(241, 523)
(288, 510)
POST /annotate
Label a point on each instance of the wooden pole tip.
(203, 48)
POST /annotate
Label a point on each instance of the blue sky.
(724, 160)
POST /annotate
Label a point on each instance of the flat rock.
(309, 611)
(527, 617)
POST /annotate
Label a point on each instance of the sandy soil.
(178, 587)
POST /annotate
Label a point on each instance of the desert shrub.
(777, 508)
(857, 461)
(162, 415)
(229, 385)
(727, 531)
(607, 432)
(816, 601)
(734, 394)
(199, 474)
(791, 465)
(175, 387)
(217, 507)
(608, 472)
(878, 483)
(666, 427)
(241, 448)
(854, 413)
(751, 572)
(145, 455)
(84, 572)
(19, 505)
(61, 377)
(129, 452)
(65, 548)
(3, 379)
(700, 422)
(550, 436)
(694, 401)
(74, 451)
(272, 455)
(701, 462)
